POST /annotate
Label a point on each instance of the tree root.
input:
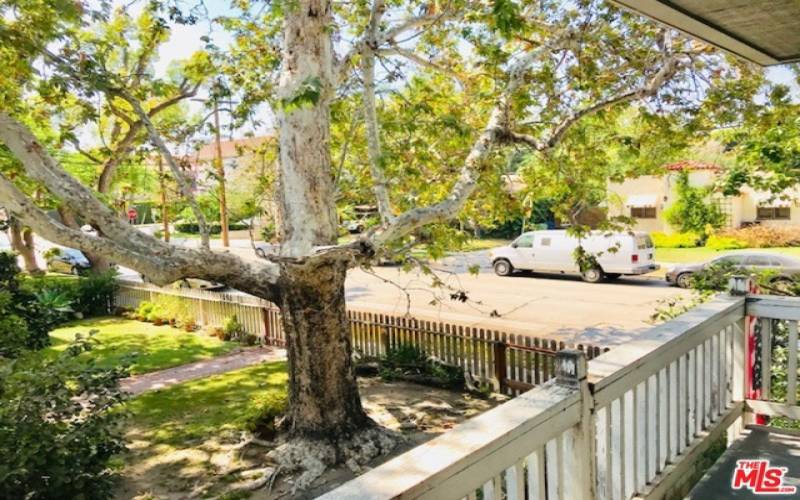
(312, 457)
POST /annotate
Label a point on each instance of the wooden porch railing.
(772, 390)
(634, 424)
(513, 363)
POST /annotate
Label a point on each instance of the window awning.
(775, 200)
(641, 200)
(762, 31)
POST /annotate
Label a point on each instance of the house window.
(774, 213)
(643, 212)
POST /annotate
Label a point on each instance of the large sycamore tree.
(529, 73)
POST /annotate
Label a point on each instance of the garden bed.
(188, 440)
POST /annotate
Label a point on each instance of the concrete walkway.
(200, 369)
(780, 446)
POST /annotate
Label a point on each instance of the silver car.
(67, 261)
(785, 267)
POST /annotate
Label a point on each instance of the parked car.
(786, 267)
(617, 253)
(66, 260)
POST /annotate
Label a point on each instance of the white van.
(617, 253)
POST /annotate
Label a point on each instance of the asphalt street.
(562, 307)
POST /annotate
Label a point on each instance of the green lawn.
(702, 254)
(150, 347)
(200, 409)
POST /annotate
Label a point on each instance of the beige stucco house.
(645, 198)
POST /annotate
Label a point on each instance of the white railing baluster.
(691, 380)
(617, 452)
(715, 392)
(553, 468)
(641, 436)
(699, 391)
(536, 481)
(628, 479)
(515, 482)
(663, 424)
(673, 445)
(707, 384)
(489, 491)
(766, 358)
(602, 446)
(791, 365)
(652, 426)
(683, 408)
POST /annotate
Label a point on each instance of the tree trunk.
(307, 203)
(22, 243)
(323, 394)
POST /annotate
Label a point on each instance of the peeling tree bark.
(323, 396)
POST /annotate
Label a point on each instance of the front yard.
(193, 439)
(147, 346)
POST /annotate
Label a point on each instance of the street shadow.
(602, 336)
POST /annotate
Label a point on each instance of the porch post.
(571, 371)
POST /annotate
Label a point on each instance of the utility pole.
(164, 212)
(223, 204)
(219, 167)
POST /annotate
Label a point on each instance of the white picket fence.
(513, 363)
(259, 317)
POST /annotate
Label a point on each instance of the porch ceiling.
(762, 31)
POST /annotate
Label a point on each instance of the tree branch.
(156, 139)
(668, 70)
(125, 145)
(493, 132)
(379, 184)
(161, 262)
(421, 61)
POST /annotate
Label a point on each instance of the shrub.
(759, 236)
(407, 362)
(90, 295)
(717, 242)
(59, 426)
(25, 324)
(261, 419)
(691, 212)
(144, 310)
(232, 328)
(14, 335)
(675, 240)
(214, 227)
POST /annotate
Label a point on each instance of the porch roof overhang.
(761, 31)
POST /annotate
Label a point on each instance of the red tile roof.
(231, 149)
(691, 165)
